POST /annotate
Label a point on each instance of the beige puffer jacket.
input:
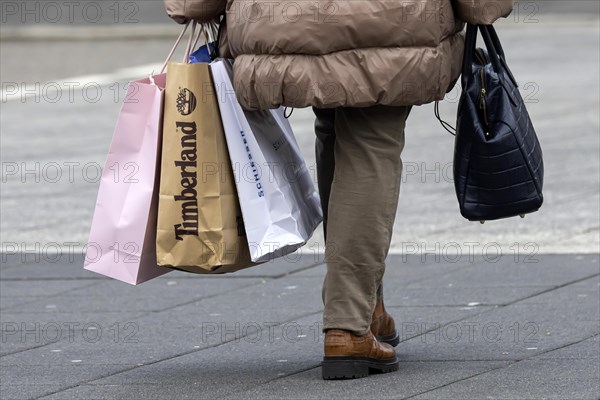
(353, 53)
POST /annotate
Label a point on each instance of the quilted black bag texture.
(498, 161)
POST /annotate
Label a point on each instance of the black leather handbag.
(498, 162)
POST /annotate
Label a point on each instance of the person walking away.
(362, 65)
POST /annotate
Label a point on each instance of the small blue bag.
(203, 54)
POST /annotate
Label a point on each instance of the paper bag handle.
(162, 70)
(190, 46)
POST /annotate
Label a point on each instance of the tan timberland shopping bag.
(200, 225)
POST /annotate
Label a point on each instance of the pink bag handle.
(162, 70)
(191, 43)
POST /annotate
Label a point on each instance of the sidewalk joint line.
(502, 367)
(168, 358)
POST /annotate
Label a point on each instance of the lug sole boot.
(383, 326)
(348, 356)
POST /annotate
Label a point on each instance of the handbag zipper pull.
(483, 104)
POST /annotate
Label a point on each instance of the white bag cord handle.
(188, 48)
(200, 32)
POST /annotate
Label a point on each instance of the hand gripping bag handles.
(280, 204)
(122, 242)
(200, 225)
(498, 162)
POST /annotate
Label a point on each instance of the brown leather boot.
(349, 356)
(383, 326)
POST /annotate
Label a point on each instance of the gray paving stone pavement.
(184, 336)
(526, 379)
(505, 310)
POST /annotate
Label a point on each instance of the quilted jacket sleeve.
(482, 12)
(199, 10)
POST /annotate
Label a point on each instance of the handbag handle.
(494, 48)
(491, 48)
(493, 36)
(470, 44)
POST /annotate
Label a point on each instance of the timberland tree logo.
(188, 167)
(186, 102)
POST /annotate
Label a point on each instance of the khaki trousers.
(359, 171)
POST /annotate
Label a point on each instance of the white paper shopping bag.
(280, 204)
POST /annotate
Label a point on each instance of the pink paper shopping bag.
(122, 243)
